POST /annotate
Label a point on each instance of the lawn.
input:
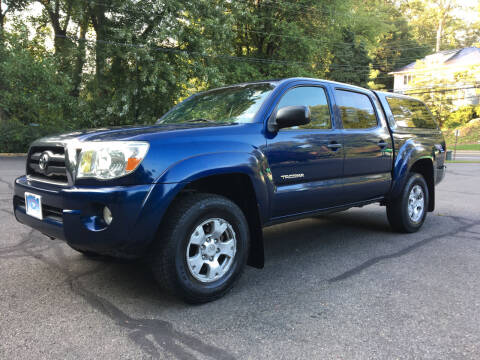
(464, 147)
(468, 139)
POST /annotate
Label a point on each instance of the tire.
(179, 262)
(403, 218)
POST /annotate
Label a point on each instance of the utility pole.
(456, 140)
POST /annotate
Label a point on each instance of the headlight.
(109, 160)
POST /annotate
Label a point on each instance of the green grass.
(468, 139)
(464, 147)
(462, 162)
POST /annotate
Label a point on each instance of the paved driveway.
(341, 286)
(467, 155)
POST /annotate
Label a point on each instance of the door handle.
(334, 146)
(382, 144)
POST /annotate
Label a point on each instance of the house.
(441, 68)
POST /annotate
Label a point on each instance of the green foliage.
(475, 147)
(396, 47)
(462, 116)
(96, 63)
(351, 62)
(34, 97)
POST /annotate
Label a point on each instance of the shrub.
(34, 97)
(462, 116)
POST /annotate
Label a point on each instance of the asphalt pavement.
(466, 155)
(342, 286)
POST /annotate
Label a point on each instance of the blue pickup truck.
(193, 192)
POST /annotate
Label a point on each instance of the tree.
(128, 61)
(444, 12)
(8, 6)
(34, 102)
(435, 22)
(395, 47)
(350, 63)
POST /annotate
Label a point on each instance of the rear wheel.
(202, 247)
(407, 212)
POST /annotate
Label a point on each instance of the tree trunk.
(439, 34)
(61, 43)
(445, 7)
(80, 60)
(100, 27)
(2, 20)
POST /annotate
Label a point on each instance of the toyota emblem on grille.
(43, 161)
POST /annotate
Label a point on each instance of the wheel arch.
(424, 167)
(239, 176)
(227, 185)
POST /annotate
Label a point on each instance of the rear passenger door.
(367, 145)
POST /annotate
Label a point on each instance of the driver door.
(306, 162)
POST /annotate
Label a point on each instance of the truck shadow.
(344, 227)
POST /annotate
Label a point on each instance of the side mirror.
(289, 116)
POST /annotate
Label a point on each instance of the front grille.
(47, 211)
(47, 163)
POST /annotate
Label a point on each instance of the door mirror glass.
(289, 116)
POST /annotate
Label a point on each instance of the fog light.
(107, 215)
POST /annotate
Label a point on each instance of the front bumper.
(75, 215)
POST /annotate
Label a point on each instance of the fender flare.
(406, 157)
(253, 165)
(173, 180)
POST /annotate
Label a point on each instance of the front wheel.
(202, 247)
(407, 212)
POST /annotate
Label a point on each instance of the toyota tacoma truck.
(193, 192)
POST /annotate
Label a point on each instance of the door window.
(356, 110)
(313, 97)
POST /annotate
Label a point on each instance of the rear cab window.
(410, 113)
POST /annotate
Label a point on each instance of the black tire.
(397, 209)
(169, 259)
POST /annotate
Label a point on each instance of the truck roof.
(397, 95)
(279, 81)
(276, 82)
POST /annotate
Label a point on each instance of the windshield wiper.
(201, 120)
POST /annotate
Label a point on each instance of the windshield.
(234, 104)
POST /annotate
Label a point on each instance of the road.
(341, 286)
(467, 155)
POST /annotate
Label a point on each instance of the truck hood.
(169, 145)
(123, 133)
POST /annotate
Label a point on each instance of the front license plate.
(33, 205)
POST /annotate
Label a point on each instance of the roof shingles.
(470, 55)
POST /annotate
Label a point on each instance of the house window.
(407, 79)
